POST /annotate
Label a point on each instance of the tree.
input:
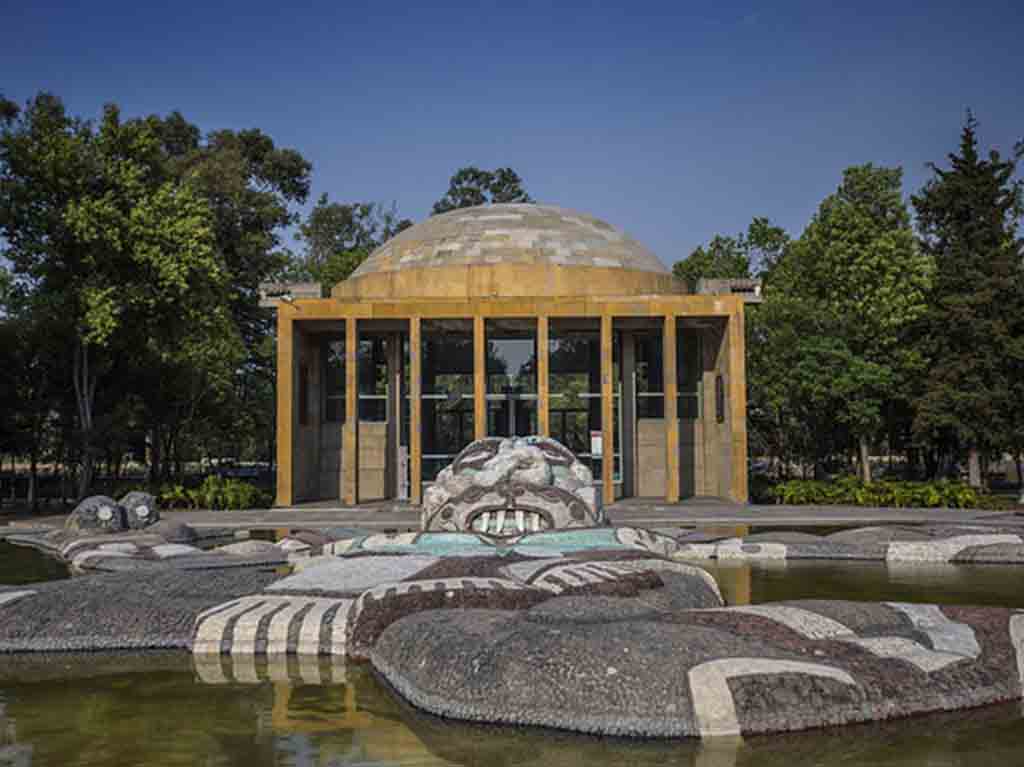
(838, 306)
(95, 227)
(967, 216)
(736, 257)
(471, 186)
(338, 237)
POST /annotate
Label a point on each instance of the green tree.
(338, 237)
(838, 306)
(99, 223)
(967, 216)
(736, 257)
(471, 186)
(724, 257)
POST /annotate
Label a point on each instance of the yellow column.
(415, 413)
(607, 413)
(671, 386)
(543, 393)
(285, 403)
(479, 379)
(350, 439)
(738, 403)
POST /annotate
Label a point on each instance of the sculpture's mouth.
(506, 522)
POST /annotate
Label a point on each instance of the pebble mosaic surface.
(604, 630)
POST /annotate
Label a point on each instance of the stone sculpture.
(509, 487)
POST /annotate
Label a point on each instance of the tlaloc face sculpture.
(504, 488)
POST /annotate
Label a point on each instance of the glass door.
(511, 378)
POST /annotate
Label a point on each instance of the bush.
(216, 493)
(850, 491)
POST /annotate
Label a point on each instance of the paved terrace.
(639, 513)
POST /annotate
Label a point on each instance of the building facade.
(510, 320)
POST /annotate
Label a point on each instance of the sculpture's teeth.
(485, 521)
(535, 522)
(520, 521)
(499, 523)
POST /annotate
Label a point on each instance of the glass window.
(447, 398)
(334, 380)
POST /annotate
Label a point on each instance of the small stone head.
(505, 488)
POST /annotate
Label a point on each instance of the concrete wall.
(650, 457)
(373, 439)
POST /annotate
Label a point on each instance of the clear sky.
(672, 120)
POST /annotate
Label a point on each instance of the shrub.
(216, 493)
(850, 491)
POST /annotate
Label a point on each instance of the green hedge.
(217, 493)
(849, 491)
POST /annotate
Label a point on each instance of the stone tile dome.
(506, 251)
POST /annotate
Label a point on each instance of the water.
(20, 565)
(155, 709)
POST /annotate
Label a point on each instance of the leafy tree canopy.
(968, 216)
(339, 236)
(471, 186)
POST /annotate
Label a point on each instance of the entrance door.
(511, 378)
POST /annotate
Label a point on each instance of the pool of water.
(168, 717)
(159, 710)
(20, 565)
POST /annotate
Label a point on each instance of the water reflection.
(158, 710)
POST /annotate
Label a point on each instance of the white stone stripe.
(208, 669)
(9, 597)
(277, 668)
(215, 609)
(243, 668)
(309, 669)
(941, 549)
(657, 565)
(1017, 638)
(277, 631)
(309, 633)
(339, 630)
(210, 631)
(713, 704)
(945, 634)
(901, 648)
(804, 622)
(244, 634)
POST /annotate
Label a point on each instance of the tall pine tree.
(974, 330)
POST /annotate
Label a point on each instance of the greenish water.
(169, 718)
(19, 565)
(158, 710)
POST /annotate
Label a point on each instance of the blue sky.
(672, 120)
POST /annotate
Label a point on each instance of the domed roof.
(508, 250)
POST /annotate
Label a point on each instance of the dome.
(504, 251)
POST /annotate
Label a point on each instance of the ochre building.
(510, 320)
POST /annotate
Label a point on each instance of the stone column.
(350, 434)
(543, 384)
(607, 413)
(415, 412)
(629, 466)
(394, 415)
(737, 407)
(671, 386)
(285, 403)
(479, 379)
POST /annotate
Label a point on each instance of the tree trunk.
(864, 449)
(33, 482)
(155, 456)
(85, 394)
(1019, 459)
(974, 467)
